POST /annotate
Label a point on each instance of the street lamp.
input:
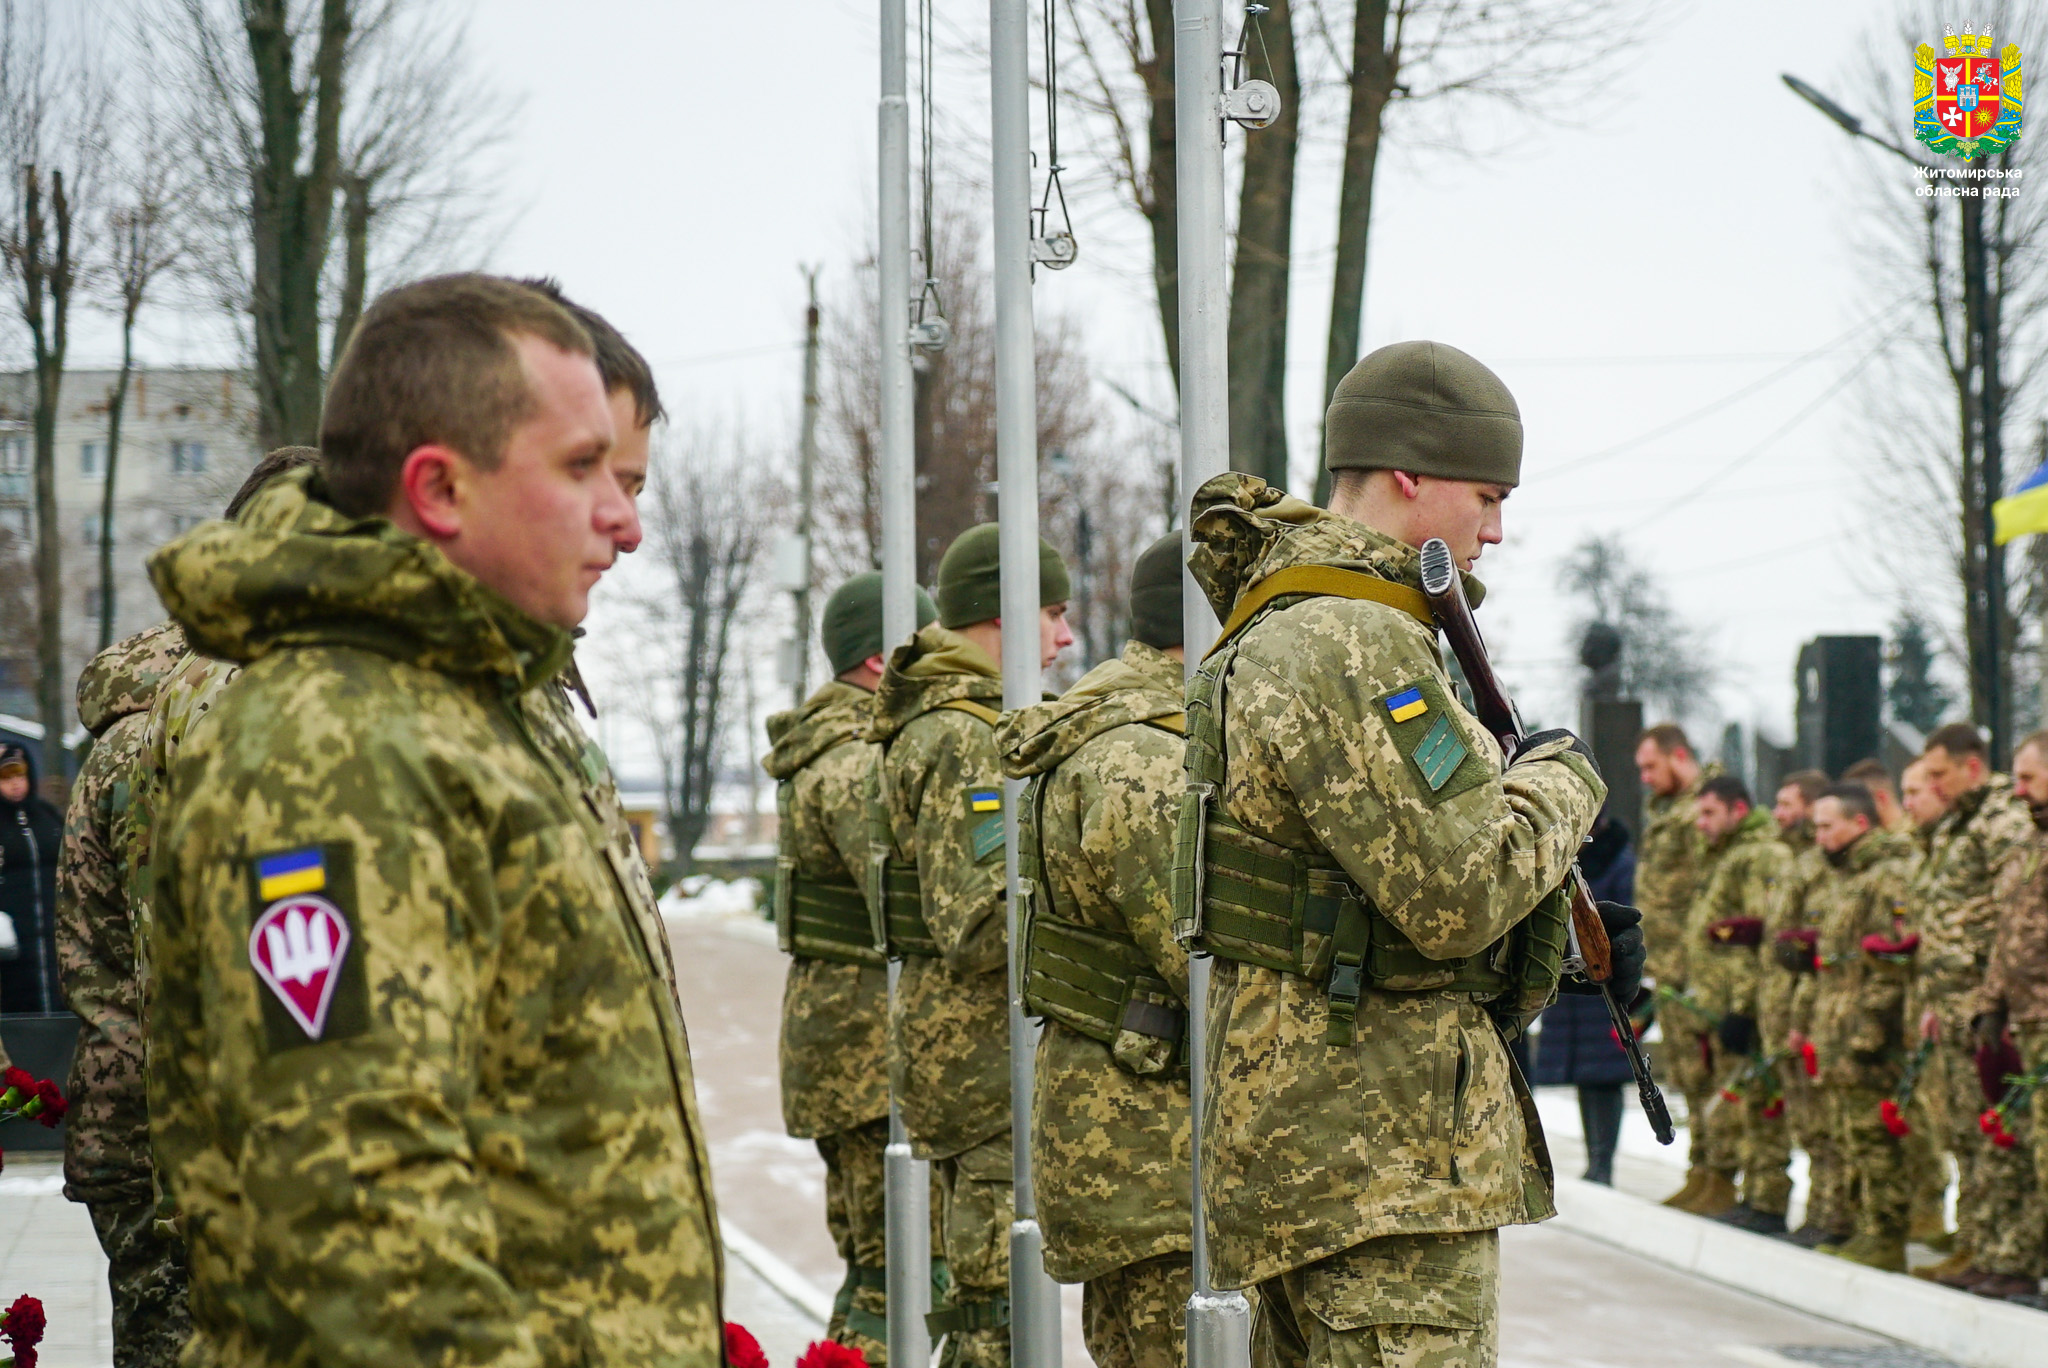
(1980, 310)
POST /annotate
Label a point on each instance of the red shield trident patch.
(297, 947)
(1966, 98)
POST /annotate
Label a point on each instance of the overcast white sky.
(677, 162)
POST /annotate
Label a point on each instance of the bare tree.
(1264, 264)
(1663, 661)
(53, 119)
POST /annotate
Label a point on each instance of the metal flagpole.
(1034, 1297)
(906, 1180)
(1218, 1323)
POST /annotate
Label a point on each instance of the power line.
(707, 357)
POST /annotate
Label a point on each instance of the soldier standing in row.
(1956, 916)
(937, 880)
(1109, 1115)
(431, 1086)
(835, 1004)
(1725, 928)
(1784, 959)
(1376, 881)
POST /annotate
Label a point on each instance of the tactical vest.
(1091, 980)
(1241, 897)
(895, 899)
(816, 918)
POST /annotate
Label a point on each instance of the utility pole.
(1034, 1297)
(906, 1179)
(806, 466)
(1980, 305)
(1219, 1324)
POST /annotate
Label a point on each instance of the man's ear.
(876, 663)
(430, 489)
(1409, 485)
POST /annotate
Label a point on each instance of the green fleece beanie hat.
(970, 578)
(852, 625)
(1427, 409)
(1155, 594)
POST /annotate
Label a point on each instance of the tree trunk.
(1162, 204)
(46, 273)
(1372, 85)
(355, 236)
(292, 214)
(117, 403)
(1258, 288)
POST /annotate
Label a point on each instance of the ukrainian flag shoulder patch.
(1406, 704)
(289, 872)
(984, 800)
(1430, 742)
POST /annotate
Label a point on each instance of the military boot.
(1886, 1252)
(1695, 1179)
(1956, 1265)
(1930, 1228)
(2007, 1285)
(1811, 1236)
(1716, 1195)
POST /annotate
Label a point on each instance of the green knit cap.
(852, 625)
(1427, 409)
(970, 578)
(1155, 594)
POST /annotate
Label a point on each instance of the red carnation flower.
(832, 1354)
(54, 1105)
(18, 1078)
(1809, 1059)
(1990, 1122)
(1730, 1095)
(1774, 1109)
(2004, 1140)
(742, 1350)
(1894, 1119)
(22, 1327)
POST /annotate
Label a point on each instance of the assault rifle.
(1587, 952)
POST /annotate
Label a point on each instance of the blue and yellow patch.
(1407, 704)
(984, 800)
(1435, 747)
(290, 872)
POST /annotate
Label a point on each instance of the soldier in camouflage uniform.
(937, 881)
(1724, 931)
(1955, 912)
(1785, 963)
(2013, 1004)
(1669, 874)
(418, 1088)
(835, 1003)
(1109, 1115)
(1857, 1019)
(1374, 879)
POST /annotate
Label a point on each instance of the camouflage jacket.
(433, 1101)
(1801, 896)
(949, 1026)
(1858, 1027)
(2016, 981)
(106, 1139)
(1953, 907)
(1668, 877)
(1747, 866)
(835, 1017)
(1109, 1147)
(1422, 1124)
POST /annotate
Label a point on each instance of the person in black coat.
(1577, 1044)
(31, 837)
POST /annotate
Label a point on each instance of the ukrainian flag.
(1406, 704)
(294, 871)
(2022, 511)
(985, 800)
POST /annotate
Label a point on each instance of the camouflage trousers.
(975, 1188)
(1997, 1199)
(1135, 1316)
(856, 1215)
(1401, 1301)
(1879, 1189)
(147, 1274)
(1827, 1200)
(2032, 1038)
(1763, 1139)
(1713, 1133)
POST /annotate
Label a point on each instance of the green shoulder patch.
(1418, 717)
(988, 837)
(305, 945)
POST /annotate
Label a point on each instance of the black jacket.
(31, 838)
(1577, 1043)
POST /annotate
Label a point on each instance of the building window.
(188, 458)
(91, 607)
(90, 530)
(182, 523)
(13, 454)
(92, 460)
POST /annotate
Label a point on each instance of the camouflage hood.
(1755, 828)
(294, 571)
(122, 680)
(935, 666)
(834, 714)
(1244, 530)
(1141, 684)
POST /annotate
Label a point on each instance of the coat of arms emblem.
(1966, 101)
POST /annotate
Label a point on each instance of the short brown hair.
(1855, 800)
(1809, 783)
(619, 363)
(1669, 737)
(2038, 740)
(1958, 739)
(268, 469)
(1868, 772)
(1726, 787)
(433, 361)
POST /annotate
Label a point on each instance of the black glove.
(1625, 945)
(1737, 1033)
(1544, 738)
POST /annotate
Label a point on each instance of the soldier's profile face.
(1716, 818)
(2030, 775)
(1834, 829)
(1919, 798)
(628, 460)
(1465, 513)
(1655, 769)
(1054, 634)
(1790, 809)
(1951, 776)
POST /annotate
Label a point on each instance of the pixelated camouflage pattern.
(2032, 1039)
(1746, 866)
(949, 1026)
(835, 1017)
(857, 1217)
(106, 1136)
(1873, 1158)
(1136, 1316)
(1311, 1148)
(1953, 904)
(2016, 976)
(977, 1208)
(147, 1280)
(1859, 1009)
(1669, 875)
(1402, 1301)
(1109, 1147)
(1797, 907)
(500, 1162)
